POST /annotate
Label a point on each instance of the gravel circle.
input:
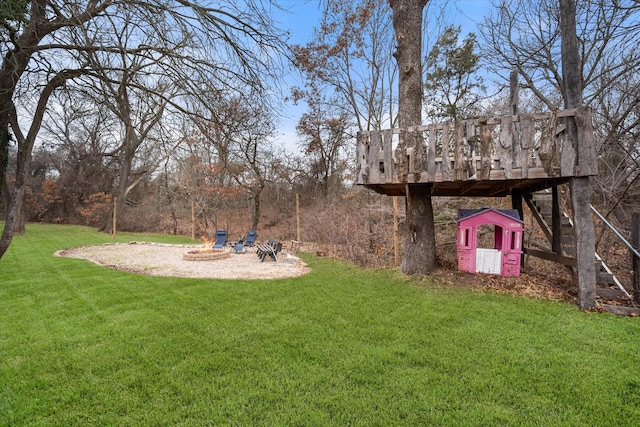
(158, 259)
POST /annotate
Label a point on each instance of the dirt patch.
(167, 260)
(539, 279)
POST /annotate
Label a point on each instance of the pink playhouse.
(505, 251)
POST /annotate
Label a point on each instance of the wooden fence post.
(193, 220)
(298, 217)
(635, 261)
(115, 214)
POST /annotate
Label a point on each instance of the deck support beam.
(516, 203)
(585, 272)
(556, 222)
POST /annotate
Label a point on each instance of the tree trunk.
(254, 205)
(6, 199)
(585, 274)
(123, 182)
(254, 210)
(420, 253)
(420, 250)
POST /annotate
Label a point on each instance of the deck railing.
(524, 146)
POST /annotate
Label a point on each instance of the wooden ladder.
(608, 286)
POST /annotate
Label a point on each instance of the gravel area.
(167, 260)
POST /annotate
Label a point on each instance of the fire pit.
(206, 254)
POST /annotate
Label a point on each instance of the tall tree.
(451, 84)
(420, 254)
(580, 188)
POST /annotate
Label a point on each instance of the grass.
(84, 345)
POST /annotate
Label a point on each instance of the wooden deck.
(482, 157)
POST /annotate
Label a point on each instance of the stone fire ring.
(206, 255)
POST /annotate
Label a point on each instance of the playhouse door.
(488, 261)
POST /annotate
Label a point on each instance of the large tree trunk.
(254, 205)
(585, 275)
(420, 253)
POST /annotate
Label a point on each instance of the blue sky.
(303, 15)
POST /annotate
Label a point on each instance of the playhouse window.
(463, 234)
(515, 240)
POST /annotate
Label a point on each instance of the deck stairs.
(608, 286)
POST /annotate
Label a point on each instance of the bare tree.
(324, 140)
(251, 151)
(232, 44)
(350, 60)
(79, 140)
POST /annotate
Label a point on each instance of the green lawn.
(84, 345)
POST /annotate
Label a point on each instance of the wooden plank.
(586, 147)
(497, 120)
(485, 150)
(550, 256)
(568, 158)
(418, 152)
(362, 150)
(445, 167)
(537, 173)
(505, 149)
(556, 221)
(585, 242)
(602, 277)
(539, 219)
(459, 173)
(472, 144)
(549, 155)
(516, 147)
(387, 155)
(527, 142)
(431, 154)
(621, 310)
(374, 157)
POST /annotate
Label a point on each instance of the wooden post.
(635, 261)
(585, 272)
(298, 217)
(516, 203)
(556, 222)
(193, 220)
(115, 216)
(515, 127)
(396, 233)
